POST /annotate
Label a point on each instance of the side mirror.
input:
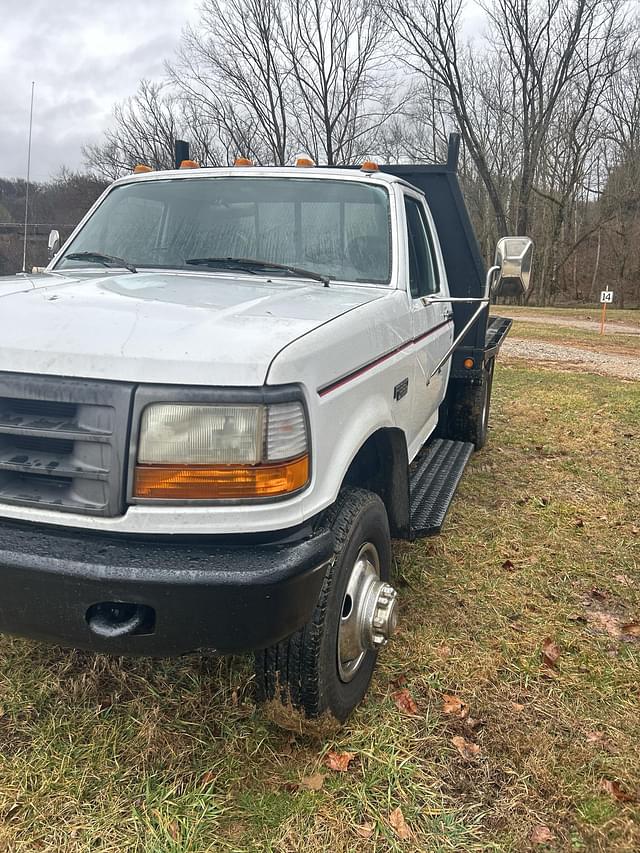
(513, 258)
(53, 244)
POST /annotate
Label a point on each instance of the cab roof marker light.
(243, 161)
(369, 166)
(304, 162)
(189, 164)
(139, 168)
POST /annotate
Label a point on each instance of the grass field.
(542, 544)
(628, 316)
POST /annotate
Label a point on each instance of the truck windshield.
(337, 229)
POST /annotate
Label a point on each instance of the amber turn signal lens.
(219, 482)
(468, 363)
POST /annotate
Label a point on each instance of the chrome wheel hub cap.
(369, 613)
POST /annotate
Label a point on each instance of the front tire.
(322, 669)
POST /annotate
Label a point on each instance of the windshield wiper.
(107, 260)
(252, 265)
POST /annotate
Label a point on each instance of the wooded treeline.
(59, 203)
(546, 95)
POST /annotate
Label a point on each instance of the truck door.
(432, 325)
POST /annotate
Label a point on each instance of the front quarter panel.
(357, 371)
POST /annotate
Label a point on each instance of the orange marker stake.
(603, 318)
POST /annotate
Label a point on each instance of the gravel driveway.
(608, 364)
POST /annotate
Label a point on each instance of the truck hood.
(161, 327)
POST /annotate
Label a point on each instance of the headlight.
(212, 452)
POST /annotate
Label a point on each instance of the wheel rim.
(364, 578)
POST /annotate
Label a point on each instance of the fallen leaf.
(517, 707)
(400, 681)
(405, 702)
(550, 652)
(443, 651)
(616, 791)
(454, 705)
(508, 565)
(469, 751)
(312, 783)
(174, 830)
(579, 522)
(365, 830)
(594, 737)
(339, 761)
(541, 834)
(208, 777)
(398, 824)
(607, 621)
(600, 594)
(632, 629)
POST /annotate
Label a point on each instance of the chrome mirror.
(513, 258)
(53, 244)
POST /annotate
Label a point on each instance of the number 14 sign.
(606, 296)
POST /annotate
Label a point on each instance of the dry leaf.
(616, 791)
(600, 594)
(443, 651)
(208, 777)
(541, 834)
(517, 707)
(365, 830)
(454, 705)
(400, 681)
(469, 751)
(312, 783)
(398, 824)
(473, 724)
(579, 522)
(594, 737)
(339, 761)
(405, 702)
(632, 629)
(174, 830)
(550, 652)
(508, 565)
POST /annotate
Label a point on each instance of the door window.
(424, 277)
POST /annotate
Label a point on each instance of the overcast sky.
(84, 55)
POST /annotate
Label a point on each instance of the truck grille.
(63, 443)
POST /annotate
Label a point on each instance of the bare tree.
(232, 68)
(541, 50)
(144, 130)
(335, 50)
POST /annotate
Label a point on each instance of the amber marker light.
(468, 363)
(189, 164)
(242, 161)
(369, 166)
(140, 168)
(304, 162)
(220, 482)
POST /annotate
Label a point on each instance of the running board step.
(433, 480)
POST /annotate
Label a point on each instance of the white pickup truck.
(225, 394)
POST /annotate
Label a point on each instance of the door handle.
(448, 315)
